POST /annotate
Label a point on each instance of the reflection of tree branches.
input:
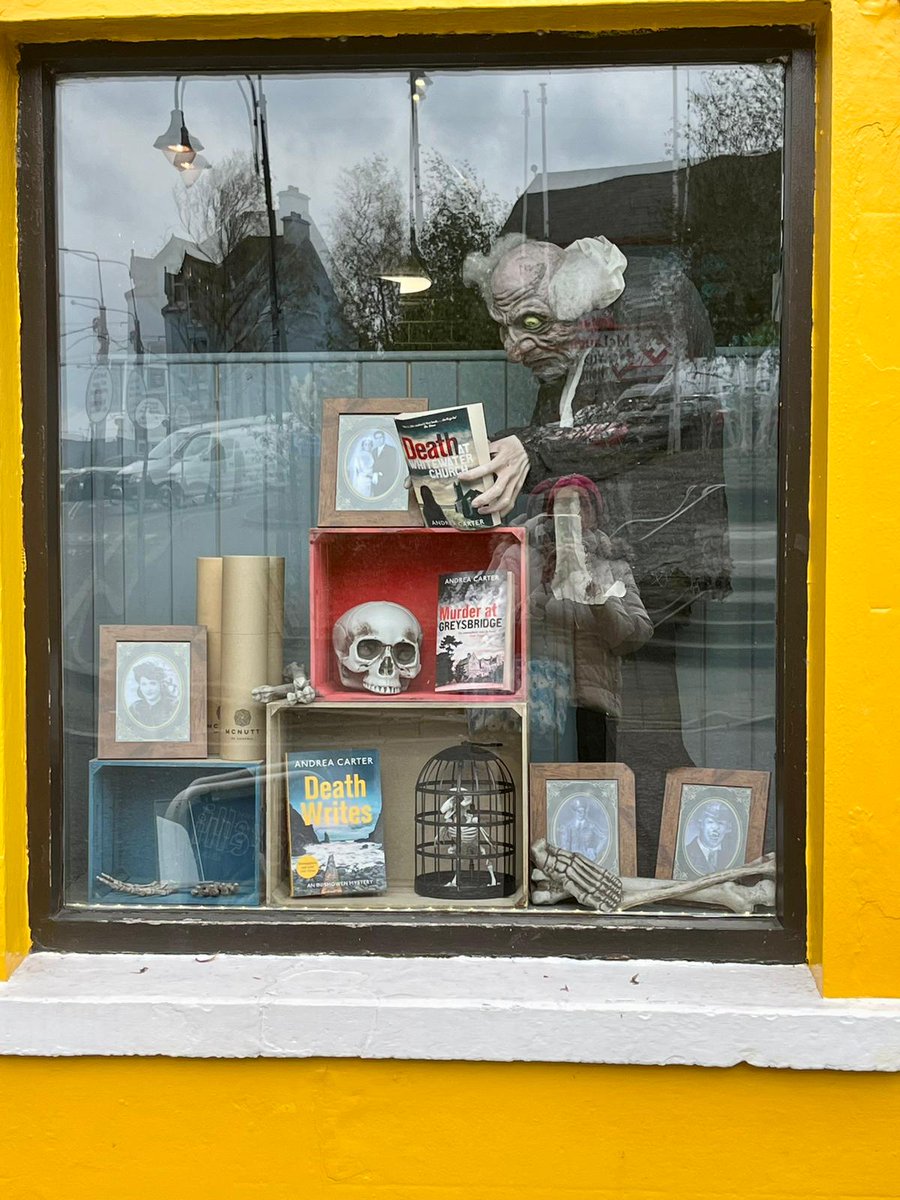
(368, 234)
(732, 138)
(369, 231)
(736, 111)
(227, 290)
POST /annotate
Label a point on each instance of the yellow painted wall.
(854, 814)
(156, 1128)
(136, 1130)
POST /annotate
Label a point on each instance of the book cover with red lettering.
(475, 629)
(440, 445)
(334, 823)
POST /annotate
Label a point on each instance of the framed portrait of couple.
(587, 808)
(363, 473)
(152, 691)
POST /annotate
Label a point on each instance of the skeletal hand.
(509, 463)
(560, 874)
(296, 690)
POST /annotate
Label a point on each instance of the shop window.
(327, 673)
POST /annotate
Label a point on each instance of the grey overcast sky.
(117, 193)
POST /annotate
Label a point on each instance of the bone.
(159, 887)
(592, 886)
(560, 874)
(205, 888)
(296, 690)
(738, 897)
(650, 891)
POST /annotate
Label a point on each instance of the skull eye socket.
(369, 648)
(405, 653)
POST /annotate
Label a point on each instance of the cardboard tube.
(245, 655)
(276, 620)
(209, 613)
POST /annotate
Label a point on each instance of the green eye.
(532, 322)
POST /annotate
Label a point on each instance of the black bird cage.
(465, 825)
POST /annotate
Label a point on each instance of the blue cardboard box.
(187, 824)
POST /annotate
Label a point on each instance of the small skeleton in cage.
(462, 831)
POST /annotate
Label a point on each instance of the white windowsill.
(550, 1010)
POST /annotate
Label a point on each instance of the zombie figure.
(611, 342)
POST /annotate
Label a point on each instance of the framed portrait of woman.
(363, 471)
(152, 691)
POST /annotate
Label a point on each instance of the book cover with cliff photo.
(475, 632)
(335, 835)
(440, 445)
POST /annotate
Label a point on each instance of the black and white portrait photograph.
(712, 833)
(153, 692)
(371, 466)
(587, 809)
(152, 700)
(581, 818)
(362, 469)
(714, 818)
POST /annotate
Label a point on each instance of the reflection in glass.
(604, 252)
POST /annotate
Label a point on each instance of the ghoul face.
(540, 294)
(520, 304)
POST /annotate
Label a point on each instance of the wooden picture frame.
(345, 462)
(742, 798)
(543, 802)
(152, 681)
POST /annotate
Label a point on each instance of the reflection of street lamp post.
(543, 104)
(181, 150)
(102, 327)
(138, 344)
(409, 272)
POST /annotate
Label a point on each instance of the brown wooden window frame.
(55, 925)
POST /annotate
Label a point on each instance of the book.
(475, 632)
(439, 445)
(335, 835)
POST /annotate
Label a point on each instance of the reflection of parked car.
(91, 483)
(200, 462)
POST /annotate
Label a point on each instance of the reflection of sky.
(318, 126)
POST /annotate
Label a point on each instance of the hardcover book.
(475, 632)
(439, 446)
(334, 823)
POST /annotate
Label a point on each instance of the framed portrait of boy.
(362, 477)
(587, 808)
(152, 691)
(712, 820)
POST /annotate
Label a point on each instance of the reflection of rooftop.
(590, 175)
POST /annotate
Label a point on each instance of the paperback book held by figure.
(439, 446)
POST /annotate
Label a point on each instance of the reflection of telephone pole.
(675, 411)
(543, 103)
(526, 113)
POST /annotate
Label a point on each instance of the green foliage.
(370, 230)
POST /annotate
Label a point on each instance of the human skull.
(378, 647)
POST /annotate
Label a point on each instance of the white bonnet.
(590, 277)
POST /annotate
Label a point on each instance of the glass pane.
(263, 273)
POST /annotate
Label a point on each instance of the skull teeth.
(384, 689)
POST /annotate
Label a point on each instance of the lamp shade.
(176, 139)
(191, 169)
(409, 272)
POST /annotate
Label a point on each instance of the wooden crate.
(407, 734)
(353, 566)
(223, 822)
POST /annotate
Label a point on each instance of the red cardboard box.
(352, 566)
